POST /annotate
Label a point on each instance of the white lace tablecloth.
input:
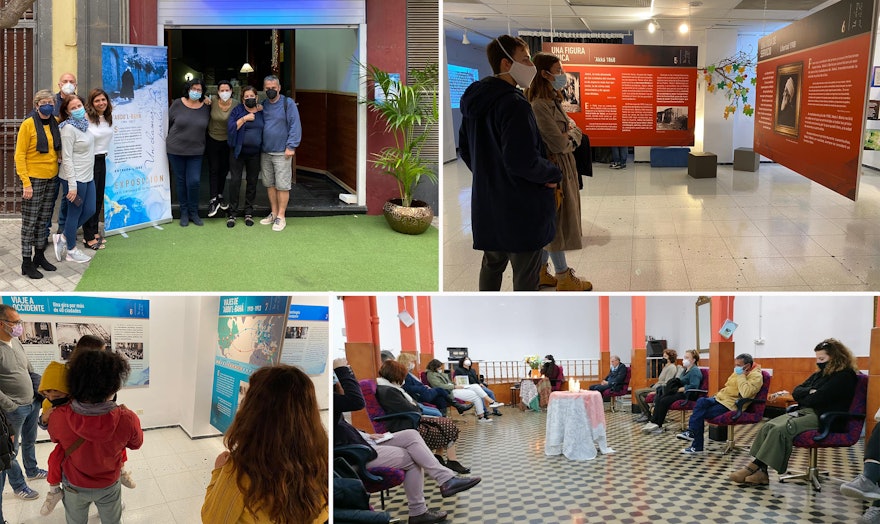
(576, 425)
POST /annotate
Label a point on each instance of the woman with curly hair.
(831, 388)
(276, 467)
(94, 432)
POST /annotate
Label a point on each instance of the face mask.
(250, 102)
(335, 379)
(686, 362)
(559, 81)
(738, 370)
(521, 74)
(47, 110)
(17, 330)
(78, 114)
(195, 95)
(467, 363)
(59, 401)
(411, 367)
(225, 95)
(821, 365)
(271, 93)
(68, 88)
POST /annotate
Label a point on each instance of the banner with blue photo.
(138, 190)
(250, 335)
(54, 324)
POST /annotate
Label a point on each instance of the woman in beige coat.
(561, 137)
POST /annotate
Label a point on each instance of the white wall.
(619, 329)
(468, 56)
(326, 60)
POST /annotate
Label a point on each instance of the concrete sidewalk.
(64, 279)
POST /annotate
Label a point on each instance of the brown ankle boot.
(547, 280)
(568, 282)
(739, 476)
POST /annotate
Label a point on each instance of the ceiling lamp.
(464, 39)
(683, 28)
(246, 68)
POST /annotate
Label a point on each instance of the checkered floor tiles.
(646, 480)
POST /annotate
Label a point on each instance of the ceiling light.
(683, 28)
(246, 68)
(652, 26)
(464, 39)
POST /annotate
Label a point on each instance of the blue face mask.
(559, 81)
(738, 370)
(78, 114)
(47, 110)
(195, 95)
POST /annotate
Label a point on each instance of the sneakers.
(213, 207)
(656, 431)
(268, 220)
(126, 480)
(40, 474)
(685, 435)
(693, 451)
(614, 165)
(184, 220)
(194, 218)
(649, 427)
(566, 281)
(52, 500)
(547, 280)
(872, 516)
(861, 487)
(642, 418)
(279, 224)
(230, 222)
(60, 245)
(496, 404)
(223, 205)
(496, 413)
(248, 220)
(75, 255)
(27, 493)
(484, 418)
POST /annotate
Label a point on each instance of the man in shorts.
(282, 133)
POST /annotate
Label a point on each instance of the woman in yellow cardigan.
(36, 162)
(276, 467)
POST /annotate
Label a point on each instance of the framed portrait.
(875, 77)
(789, 78)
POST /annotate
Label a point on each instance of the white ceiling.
(485, 19)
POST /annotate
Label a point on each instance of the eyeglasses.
(13, 322)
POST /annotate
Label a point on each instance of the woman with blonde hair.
(830, 388)
(276, 467)
(688, 379)
(561, 137)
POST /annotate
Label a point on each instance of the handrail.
(515, 370)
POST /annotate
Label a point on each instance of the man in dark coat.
(513, 209)
(615, 378)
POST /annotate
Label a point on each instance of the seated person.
(690, 377)
(553, 373)
(670, 370)
(471, 393)
(865, 484)
(831, 388)
(465, 368)
(439, 433)
(405, 450)
(615, 378)
(745, 382)
(422, 393)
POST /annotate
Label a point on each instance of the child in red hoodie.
(94, 433)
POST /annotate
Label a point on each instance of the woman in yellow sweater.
(276, 467)
(36, 162)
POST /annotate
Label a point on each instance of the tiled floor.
(171, 471)
(647, 479)
(658, 229)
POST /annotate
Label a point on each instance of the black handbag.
(583, 158)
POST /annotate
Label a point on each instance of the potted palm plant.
(410, 113)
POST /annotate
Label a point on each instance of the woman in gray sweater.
(188, 119)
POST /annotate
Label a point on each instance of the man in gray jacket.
(17, 400)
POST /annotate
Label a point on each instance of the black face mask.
(250, 102)
(271, 93)
(821, 365)
(59, 401)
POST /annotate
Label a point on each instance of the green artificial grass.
(336, 253)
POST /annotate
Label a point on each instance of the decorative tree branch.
(11, 13)
(731, 76)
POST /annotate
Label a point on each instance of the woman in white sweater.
(77, 176)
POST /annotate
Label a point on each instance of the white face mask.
(225, 95)
(68, 88)
(686, 362)
(411, 367)
(521, 74)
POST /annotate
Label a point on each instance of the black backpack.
(7, 454)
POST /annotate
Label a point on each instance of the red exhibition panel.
(810, 98)
(630, 95)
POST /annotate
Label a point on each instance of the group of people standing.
(242, 138)
(525, 201)
(62, 148)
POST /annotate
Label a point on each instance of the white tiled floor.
(659, 230)
(171, 471)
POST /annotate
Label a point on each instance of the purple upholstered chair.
(688, 403)
(824, 437)
(377, 479)
(752, 414)
(377, 414)
(612, 393)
